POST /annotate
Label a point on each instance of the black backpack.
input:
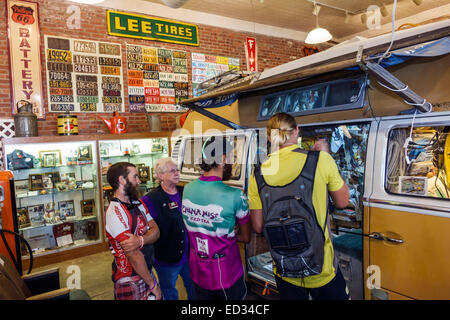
(295, 238)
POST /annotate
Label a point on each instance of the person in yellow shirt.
(284, 165)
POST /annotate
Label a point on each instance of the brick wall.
(215, 41)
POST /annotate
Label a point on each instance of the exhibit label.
(129, 25)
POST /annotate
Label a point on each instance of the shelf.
(58, 223)
(142, 185)
(52, 168)
(50, 191)
(132, 155)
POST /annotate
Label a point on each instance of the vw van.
(389, 134)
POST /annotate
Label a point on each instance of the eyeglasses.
(173, 171)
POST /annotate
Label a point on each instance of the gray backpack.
(295, 238)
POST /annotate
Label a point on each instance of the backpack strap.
(309, 172)
(260, 183)
(309, 169)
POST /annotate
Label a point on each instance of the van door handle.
(398, 241)
(382, 237)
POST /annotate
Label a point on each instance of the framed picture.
(80, 230)
(417, 186)
(66, 176)
(156, 145)
(66, 209)
(144, 173)
(87, 207)
(63, 233)
(21, 186)
(85, 152)
(47, 181)
(54, 176)
(103, 149)
(35, 182)
(23, 218)
(36, 214)
(50, 158)
(92, 230)
(50, 215)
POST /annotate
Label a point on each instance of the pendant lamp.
(318, 34)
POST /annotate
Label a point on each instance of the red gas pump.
(9, 241)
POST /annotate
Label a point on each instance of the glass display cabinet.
(140, 149)
(61, 191)
(56, 192)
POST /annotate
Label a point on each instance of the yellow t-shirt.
(282, 167)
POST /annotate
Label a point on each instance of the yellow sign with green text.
(124, 24)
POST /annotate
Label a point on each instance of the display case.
(140, 149)
(56, 187)
(61, 189)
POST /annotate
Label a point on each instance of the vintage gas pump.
(9, 242)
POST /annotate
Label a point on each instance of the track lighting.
(383, 10)
(347, 17)
(364, 18)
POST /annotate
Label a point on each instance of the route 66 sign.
(22, 14)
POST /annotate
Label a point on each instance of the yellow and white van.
(393, 239)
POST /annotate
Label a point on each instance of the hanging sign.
(24, 55)
(251, 54)
(129, 25)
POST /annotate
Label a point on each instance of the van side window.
(418, 162)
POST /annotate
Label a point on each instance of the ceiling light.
(174, 3)
(347, 17)
(88, 1)
(318, 35)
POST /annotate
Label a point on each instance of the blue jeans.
(168, 276)
(336, 289)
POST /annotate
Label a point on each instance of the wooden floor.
(95, 271)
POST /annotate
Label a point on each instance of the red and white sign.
(24, 54)
(251, 54)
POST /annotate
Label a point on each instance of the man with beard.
(131, 232)
(216, 217)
